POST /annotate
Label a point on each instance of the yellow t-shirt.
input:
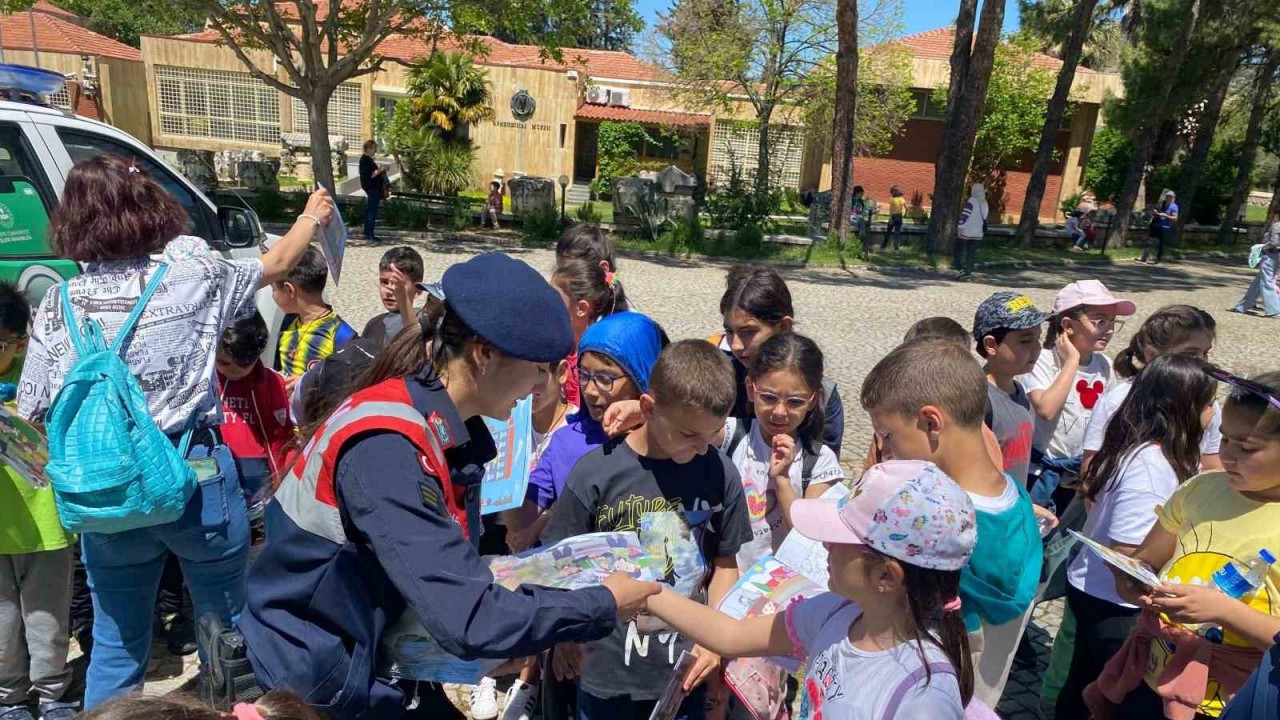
(1215, 524)
(897, 205)
(28, 518)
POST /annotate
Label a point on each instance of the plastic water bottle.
(1243, 576)
(8, 391)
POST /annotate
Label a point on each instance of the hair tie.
(611, 279)
(953, 605)
(246, 711)
(133, 169)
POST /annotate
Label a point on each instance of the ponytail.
(933, 603)
(1166, 329)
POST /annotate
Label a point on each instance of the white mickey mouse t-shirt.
(751, 458)
(1063, 436)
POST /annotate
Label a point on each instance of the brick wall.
(910, 165)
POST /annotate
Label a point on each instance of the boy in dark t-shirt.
(399, 272)
(670, 464)
(1006, 329)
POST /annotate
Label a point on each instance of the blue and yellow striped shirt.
(303, 345)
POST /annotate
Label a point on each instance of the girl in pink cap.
(1068, 380)
(888, 639)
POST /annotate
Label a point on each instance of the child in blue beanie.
(615, 357)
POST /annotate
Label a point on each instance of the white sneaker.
(522, 701)
(484, 700)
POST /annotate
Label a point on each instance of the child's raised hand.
(1067, 352)
(622, 416)
(704, 666)
(784, 452)
(1191, 603)
(404, 287)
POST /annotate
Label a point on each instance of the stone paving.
(857, 316)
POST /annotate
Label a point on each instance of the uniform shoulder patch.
(440, 427)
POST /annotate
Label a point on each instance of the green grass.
(1255, 213)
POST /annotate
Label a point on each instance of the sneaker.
(484, 700)
(16, 712)
(180, 638)
(58, 710)
(521, 701)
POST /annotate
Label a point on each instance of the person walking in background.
(1162, 220)
(1264, 283)
(374, 183)
(973, 225)
(897, 210)
(493, 206)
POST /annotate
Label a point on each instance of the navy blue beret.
(510, 306)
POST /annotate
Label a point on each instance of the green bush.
(1108, 160)
(1217, 180)
(459, 214)
(270, 205)
(587, 213)
(429, 163)
(683, 236)
(542, 225)
(749, 238)
(404, 214)
(1070, 203)
(737, 205)
(617, 147)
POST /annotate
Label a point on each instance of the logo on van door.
(6, 217)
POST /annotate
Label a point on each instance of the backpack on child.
(110, 466)
(808, 460)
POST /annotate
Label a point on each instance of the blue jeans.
(211, 540)
(371, 211)
(1042, 485)
(591, 707)
(1264, 286)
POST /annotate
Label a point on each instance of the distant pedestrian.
(1264, 283)
(493, 207)
(374, 182)
(897, 209)
(973, 225)
(1162, 219)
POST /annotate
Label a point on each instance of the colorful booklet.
(410, 652)
(805, 556)
(23, 448)
(506, 477)
(1129, 566)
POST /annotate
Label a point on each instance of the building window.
(737, 143)
(345, 115)
(217, 104)
(564, 134)
(927, 107)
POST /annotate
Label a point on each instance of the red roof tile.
(936, 45)
(648, 117)
(54, 34)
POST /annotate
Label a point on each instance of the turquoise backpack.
(110, 466)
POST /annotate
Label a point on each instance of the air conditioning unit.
(619, 98)
(597, 95)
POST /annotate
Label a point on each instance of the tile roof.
(936, 45)
(55, 33)
(650, 117)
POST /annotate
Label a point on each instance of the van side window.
(26, 200)
(84, 146)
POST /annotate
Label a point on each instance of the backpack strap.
(909, 682)
(740, 430)
(69, 317)
(808, 461)
(152, 285)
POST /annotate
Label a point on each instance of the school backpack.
(808, 460)
(110, 466)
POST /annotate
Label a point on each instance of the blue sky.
(919, 15)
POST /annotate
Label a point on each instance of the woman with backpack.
(120, 372)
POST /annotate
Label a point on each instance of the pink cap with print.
(907, 509)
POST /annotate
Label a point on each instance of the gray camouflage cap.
(1006, 310)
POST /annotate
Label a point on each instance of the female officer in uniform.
(379, 516)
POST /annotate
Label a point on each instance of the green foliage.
(429, 163)
(617, 148)
(612, 26)
(1013, 115)
(1070, 203)
(404, 214)
(683, 236)
(542, 225)
(736, 205)
(885, 100)
(1046, 24)
(128, 20)
(587, 213)
(1108, 160)
(459, 214)
(749, 238)
(1216, 183)
(449, 91)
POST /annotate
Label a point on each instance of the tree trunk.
(961, 57)
(1193, 166)
(845, 114)
(962, 128)
(1083, 23)
(762, 153)
(1146, 134)
(321, 152)
(1252, 137)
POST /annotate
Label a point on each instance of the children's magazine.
(23, 448)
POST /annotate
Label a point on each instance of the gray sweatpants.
(35, 599)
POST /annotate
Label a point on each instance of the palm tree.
(450, 92)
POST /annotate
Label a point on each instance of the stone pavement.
(858, 316)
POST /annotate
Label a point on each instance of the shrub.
(542, 225)
(1070, 203)
(683, 236)
(1108, 160)
(587, 213)
(749, 238)
(736, 205)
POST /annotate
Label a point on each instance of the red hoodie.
(256, 417)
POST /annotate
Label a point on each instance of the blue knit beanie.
(630, 340)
